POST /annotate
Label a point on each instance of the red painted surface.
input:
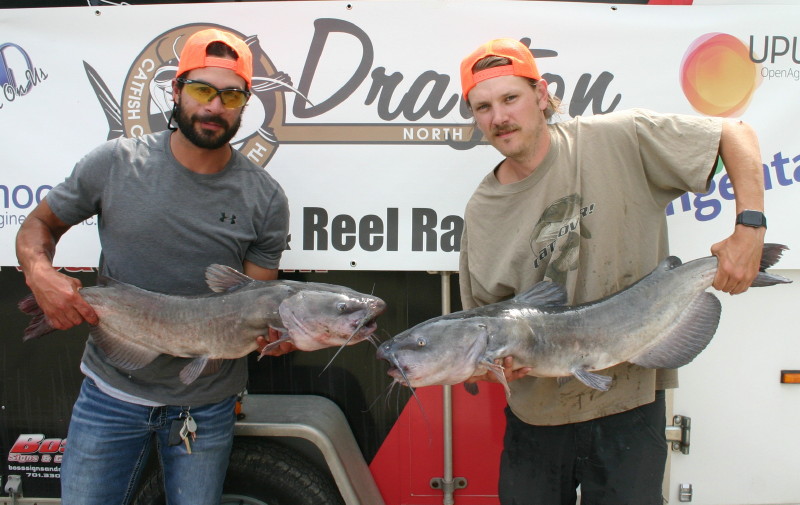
(413, 452)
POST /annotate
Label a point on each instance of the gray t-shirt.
(160, 226)
(592, 218)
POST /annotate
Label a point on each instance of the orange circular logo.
(718, 76)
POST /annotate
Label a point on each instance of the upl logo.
(717, 75)
(720, 73)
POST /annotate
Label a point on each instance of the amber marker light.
(790, 376)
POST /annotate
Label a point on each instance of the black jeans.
(617, 460)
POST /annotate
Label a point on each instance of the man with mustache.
(582, 202)
(169, 204)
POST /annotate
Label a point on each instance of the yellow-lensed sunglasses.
(203, 92)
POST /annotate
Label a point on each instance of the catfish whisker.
(341, 347)
(384, 394)
(358, 328)
(413, 393)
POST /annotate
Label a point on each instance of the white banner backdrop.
(356, 110)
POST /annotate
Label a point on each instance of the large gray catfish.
(662, 321)
(138, 325)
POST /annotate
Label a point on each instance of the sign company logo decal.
(18, 75)
(36, 448)
(718, 76)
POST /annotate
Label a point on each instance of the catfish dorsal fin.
(669, 263)
(222, 278)
(543, 294)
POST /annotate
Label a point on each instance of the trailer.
(378, 157)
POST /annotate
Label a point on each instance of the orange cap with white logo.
(522, 63)
(193, 54)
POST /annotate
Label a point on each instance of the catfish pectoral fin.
(472, 388)
(197, 367)
(593, 380)
(272, 345)
(497, 371)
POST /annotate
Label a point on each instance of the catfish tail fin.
(770, 255)
(40, 324)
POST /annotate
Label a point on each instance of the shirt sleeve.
(80, 195)
(679, 152)
(272, 240)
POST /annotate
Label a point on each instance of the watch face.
(751, 218)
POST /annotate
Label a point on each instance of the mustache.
(499, 130)
(210, 118)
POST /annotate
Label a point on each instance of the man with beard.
(168, 204)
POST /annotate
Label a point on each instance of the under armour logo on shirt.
(224, 218)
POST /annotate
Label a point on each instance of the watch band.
(753, 218)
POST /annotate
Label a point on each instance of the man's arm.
(259, 273)
(56, 293)
(740, 254)
(267, 274)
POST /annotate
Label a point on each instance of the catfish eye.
(421, 342)
(341, 306)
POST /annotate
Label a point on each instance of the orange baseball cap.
(193, 54)
(522, 63)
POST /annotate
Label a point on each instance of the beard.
(206, 139)
(505, 149)
(523, 144)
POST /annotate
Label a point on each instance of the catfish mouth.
(396, 370)
(398, 375)
(363, 327)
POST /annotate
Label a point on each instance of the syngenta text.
(781, 171)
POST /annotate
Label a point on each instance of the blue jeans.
(109, 442)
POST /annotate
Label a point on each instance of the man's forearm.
(741, 155)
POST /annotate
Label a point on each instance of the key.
(185, 436)
(191, 425)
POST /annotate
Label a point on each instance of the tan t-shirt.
(590, 217)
